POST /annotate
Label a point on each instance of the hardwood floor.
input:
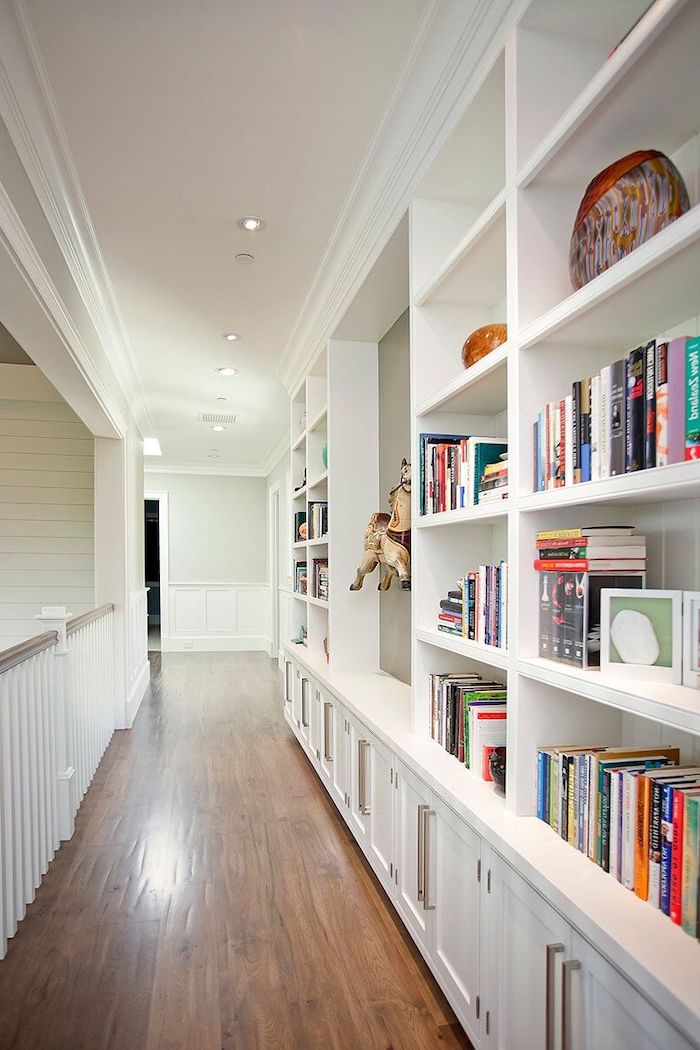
(211, 896)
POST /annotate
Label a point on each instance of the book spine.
(691, 845)
(540, 784)
(634, 436)
(614, 835)
(604, 425)
(641, 847)
(692, 402)
(676, 394)
(595, 427)
(617, 418)
(547, 788)
(661, 404)
(654, 896)
(575, 433)
(572, 807)
(605, 822)
(628, 827)
(564, 799)
(580, 796)
(650, 404)
(585, 430)
(666, 848)
(676, 903)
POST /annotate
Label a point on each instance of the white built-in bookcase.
(489, 233)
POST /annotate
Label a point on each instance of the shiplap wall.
(46, 514)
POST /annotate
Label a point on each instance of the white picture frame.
(652, 623)
(691, 639)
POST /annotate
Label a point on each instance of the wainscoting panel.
(216, 617)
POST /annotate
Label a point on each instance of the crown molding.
(459, 41)
(220, 470)
(30, 113)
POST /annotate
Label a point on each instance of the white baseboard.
(138, 691)
(216, 644)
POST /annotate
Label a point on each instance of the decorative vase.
(324, 457)
(624, 206)
(482, 341)
(497, 766)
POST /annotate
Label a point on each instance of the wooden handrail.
(80, 621)
(17, 654)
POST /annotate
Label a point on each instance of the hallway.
(211, 896)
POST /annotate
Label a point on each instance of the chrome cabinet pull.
(363, 748)
(567, 969)
(552, 951)
(427, 906)
(420, 889)
(305, 703)
(326, 725)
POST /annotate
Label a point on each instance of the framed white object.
(641, 634)
(691, 639)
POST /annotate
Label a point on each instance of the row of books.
(468, 718)
(321, 578)
(639, 412)
(478, 609)
(452, 470)
(575, 565)
(318, 519)
(633, 811)
(493, 487)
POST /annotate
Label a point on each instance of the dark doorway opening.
(152, 561)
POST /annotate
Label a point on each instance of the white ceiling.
(181, 118)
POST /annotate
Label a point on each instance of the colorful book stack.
(639, 412)
(575, 565)
(468, 718)
(633, 811)
(478, 609)
(318, 520)
(321, 578)
(493, 487)
(451, 470)
(300, 577)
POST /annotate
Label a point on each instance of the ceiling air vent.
(222, 418)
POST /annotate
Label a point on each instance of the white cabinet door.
(288, 684)
(453, 889)
(304, 710)
(316, 726)
(339, 764)
(414, 804)
(328, 716)
(526, 941)
(296, 700)
(381, 794)
(358, 781)
(602, 1009)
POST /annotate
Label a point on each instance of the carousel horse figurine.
(388, 538)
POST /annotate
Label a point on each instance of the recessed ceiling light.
(231, 336)
(227, 371)
(244, 259)
(218, 428)
(251, 223)
(222, 398)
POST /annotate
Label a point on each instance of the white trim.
(164, 553)
(233, 471)
(137, 693)
(274, 536)
(219, 644)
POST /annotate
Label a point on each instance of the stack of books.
(635, 812)
(321, 578)
(300, 577)
(478, 609)
(574, 566)
(639, 412)
(318, 519)
(468, 718)
(493, 487)
(452, 468)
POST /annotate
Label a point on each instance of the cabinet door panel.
(607, 1011)
(328, 716)
(413, 800)
(380, 845)
(358, 781)
(315, 728)
(304, 709)
(456, 900)
(339, 783)
(288, 684)
(526, 940)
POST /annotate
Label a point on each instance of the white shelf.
(647, 292)
(479, 390)
(300, 492)
(299, 597)
(322, 479)
(483, 271)
(588, 147)
(674, 705)
(318, 421)
(675, 481)
(321, 602)
(490, 512)
(322, 541)
(487, 654)
(299, 441)
(300, 545)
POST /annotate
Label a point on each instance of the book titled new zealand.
(617, 417)
(650, 404)
(634, 431)
(692, 403)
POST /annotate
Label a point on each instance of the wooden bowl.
(482, 341)
(624, 206)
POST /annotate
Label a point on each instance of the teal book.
(482, 452)
(690, 874)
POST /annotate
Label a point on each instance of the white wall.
(218, 594)
(286, 609)
(46, 504)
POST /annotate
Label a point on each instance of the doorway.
(152, 571)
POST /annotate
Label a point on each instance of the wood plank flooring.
(212, 897)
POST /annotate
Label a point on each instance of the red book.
(590, 565)
(677, 857)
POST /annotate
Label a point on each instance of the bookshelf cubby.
(489, 235)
